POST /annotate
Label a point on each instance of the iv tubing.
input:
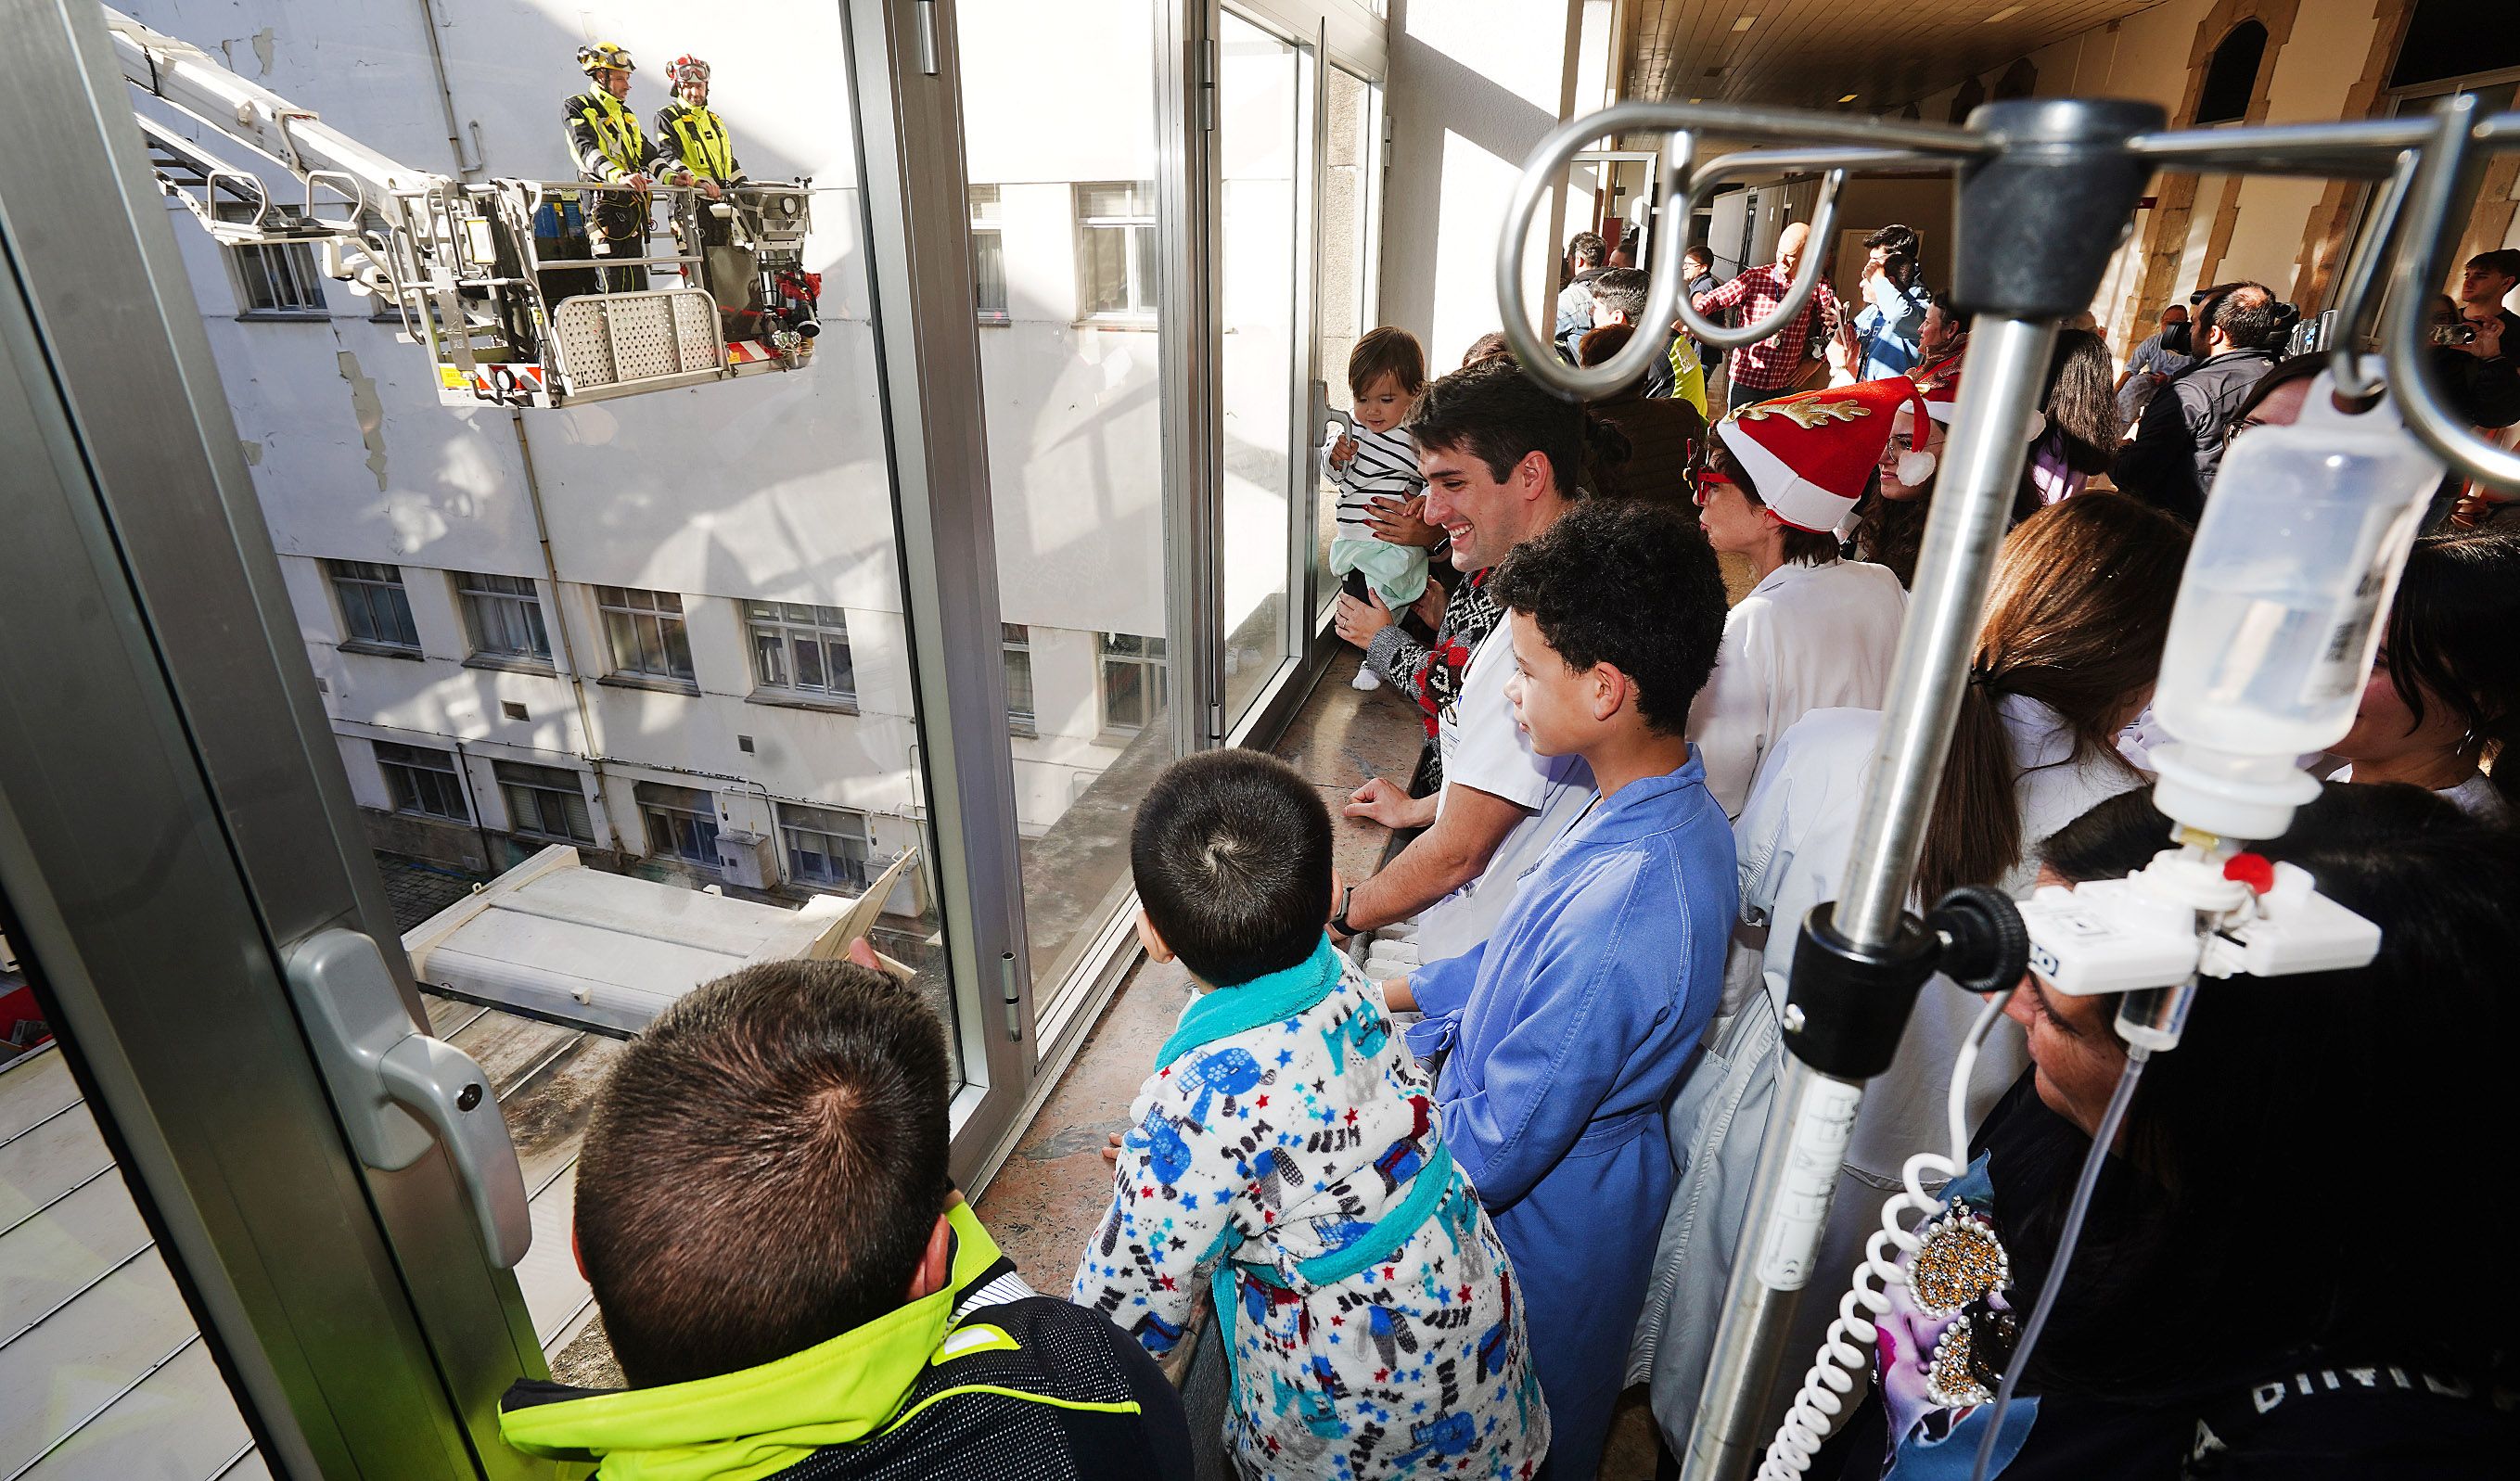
(1834, 1368)
(2092, 1162)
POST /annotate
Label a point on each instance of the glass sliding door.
(1351, 176)
(1071, 394)
(1264, 149)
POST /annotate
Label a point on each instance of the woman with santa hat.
(1814, 631)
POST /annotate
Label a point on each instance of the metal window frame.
(402, 776)
(161, 853)
(337, 578)
(790, 632)
(1144, 297)
(472, 599)
(680, 616)
(864, 837)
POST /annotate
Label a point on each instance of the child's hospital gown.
(1285, 1155)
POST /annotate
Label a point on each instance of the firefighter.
(692, 139)
(611, 148)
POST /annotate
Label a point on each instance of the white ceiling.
(1811, 53)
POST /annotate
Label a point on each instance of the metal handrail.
(2435, 190)
(1682, 122)
(2361, 271)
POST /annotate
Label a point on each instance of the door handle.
(399, 1091)
(1326, 416)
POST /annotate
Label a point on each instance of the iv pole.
(2046, 191)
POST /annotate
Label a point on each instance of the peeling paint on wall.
(252, 452)
(371, 414)
(262, 41)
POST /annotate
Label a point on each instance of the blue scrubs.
(1569, 1029)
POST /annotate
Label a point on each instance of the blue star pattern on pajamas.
(1292, 1142)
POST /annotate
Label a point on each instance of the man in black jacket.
(791, 1284)
(2179, 444)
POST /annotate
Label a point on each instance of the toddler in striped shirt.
(1372, 462)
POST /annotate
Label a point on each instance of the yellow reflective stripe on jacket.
(623, 144)
(705, 143)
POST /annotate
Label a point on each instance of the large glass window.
(1351, 200)
(1263, 148)
(1074, 403)
(376, 610)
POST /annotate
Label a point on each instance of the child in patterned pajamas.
(1285, 1157)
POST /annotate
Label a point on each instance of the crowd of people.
(1459, 1151)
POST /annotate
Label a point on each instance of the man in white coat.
(1815, 632)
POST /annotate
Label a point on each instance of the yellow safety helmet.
(603, 56)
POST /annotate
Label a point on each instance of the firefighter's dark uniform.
(610, 147)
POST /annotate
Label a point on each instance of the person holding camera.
(1894, 305)
(2237, 331)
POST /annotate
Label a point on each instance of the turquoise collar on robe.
(1262, 1001)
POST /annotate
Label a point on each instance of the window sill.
(379, 651)
(405, 812)
(511, 664)
(284, 316)
(996, 321)
(1025, 730)
(1144, 325)
(654, 686)
(783, 700)
(1119, 739)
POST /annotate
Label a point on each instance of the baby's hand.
(1343, 451)
(1112, 1153)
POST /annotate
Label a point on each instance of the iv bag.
(2280, 610)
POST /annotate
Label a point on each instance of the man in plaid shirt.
(1770, 367)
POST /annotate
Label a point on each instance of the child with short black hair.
(1571, 1026)
(791, 1284)
(1285, 1157)
(1374, 464)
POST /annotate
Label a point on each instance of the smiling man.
(1500, 457)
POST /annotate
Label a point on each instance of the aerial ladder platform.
(498, 279)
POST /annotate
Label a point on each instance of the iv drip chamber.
(2280, 610)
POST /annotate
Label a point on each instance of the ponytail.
(1973, 834)
(2076, 620)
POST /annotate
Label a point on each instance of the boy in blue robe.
(1571, 1027)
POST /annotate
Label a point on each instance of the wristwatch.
(1338, 921)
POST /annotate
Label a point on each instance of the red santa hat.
(1812, 455)
(1941, 398)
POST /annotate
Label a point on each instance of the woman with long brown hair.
(2066, 655)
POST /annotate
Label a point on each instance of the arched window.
(2019, 80)
(1965, 101)
(2231, 76)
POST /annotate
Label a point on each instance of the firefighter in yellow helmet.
(611, 148)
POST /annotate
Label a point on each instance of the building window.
(801, 650)
(1117, 251)
(645, 631)
(376, 610)
(681, 823)
(277, 280)
(2231, 76)
(503, 615)
(1133, 687)
(988, 255)
(424, 783)
(826, 845)
(544, 801)
(1016, 640)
